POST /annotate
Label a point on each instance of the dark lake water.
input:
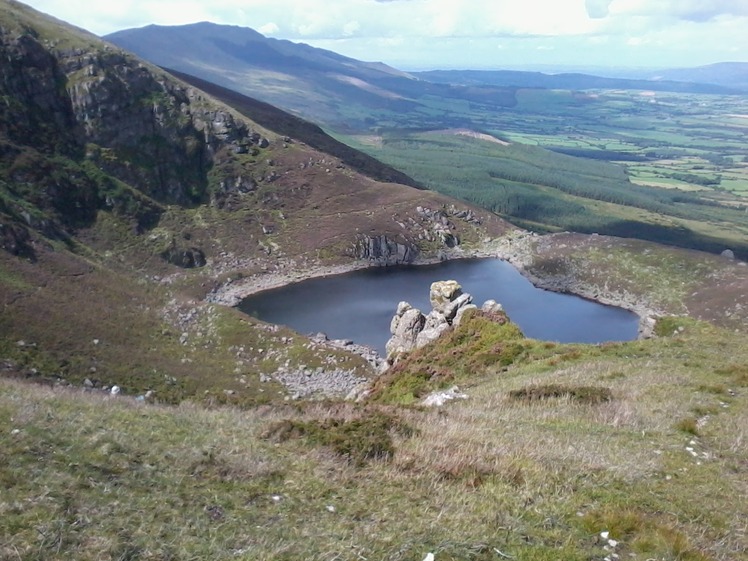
(360, 305)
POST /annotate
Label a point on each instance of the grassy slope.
(66, 319)
(661, 467)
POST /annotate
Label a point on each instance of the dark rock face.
(74, 122)
(35, 111)
(381, 250)
(15, 239)
(184, 257)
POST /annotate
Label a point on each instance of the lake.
(360, 305)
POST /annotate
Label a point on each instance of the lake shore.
(516, 248)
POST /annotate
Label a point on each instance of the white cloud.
(698, 31)
(350, 28)
(269, 28)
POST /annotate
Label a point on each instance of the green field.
(544, 190)
(660, 166)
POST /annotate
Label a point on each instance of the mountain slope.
(126, 193)
(315, 83)
(287, 124)
(128, 196)
(727, 74)
(686, 82)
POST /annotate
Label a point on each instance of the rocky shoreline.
(515, 248)
(233, 292)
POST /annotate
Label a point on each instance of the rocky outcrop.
(383, 251)
(15, 239)
(184, 257)
(114, 119)
(412, 330)
(405, 326)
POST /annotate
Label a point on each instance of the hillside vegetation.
(549, 191)
(572, 452)
(127, 196)
(679, 143)
(142, 420)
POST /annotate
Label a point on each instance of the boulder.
(491, 307)
(461, 312)
(443, 293)
(437, 399)
(433, 327)
(405, 329)
(451, 309)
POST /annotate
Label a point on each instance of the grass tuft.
(591, 395)
(357, 440)
(689, 425)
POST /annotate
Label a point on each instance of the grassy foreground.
(630, 451)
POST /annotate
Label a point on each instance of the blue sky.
(424, 34)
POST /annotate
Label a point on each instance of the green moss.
(668, 326)
(481, 342)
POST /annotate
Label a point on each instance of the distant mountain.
(575, 81)
(315, 83)
(346, 94)
(728, 74)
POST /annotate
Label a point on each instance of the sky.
(475, 34)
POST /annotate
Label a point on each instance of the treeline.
(547, 191)
(595, 180)
(694, 179)
(605, 155)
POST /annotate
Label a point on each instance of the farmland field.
(668, 167)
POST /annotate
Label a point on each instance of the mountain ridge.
(276, 71)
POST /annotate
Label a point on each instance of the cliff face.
(99, 106)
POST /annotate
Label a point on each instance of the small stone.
(330, 508)
(276, 498)
(612, 543)
(95, 341)
(604, 535)
(15, 432)
(115, 390)
(491, 307)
